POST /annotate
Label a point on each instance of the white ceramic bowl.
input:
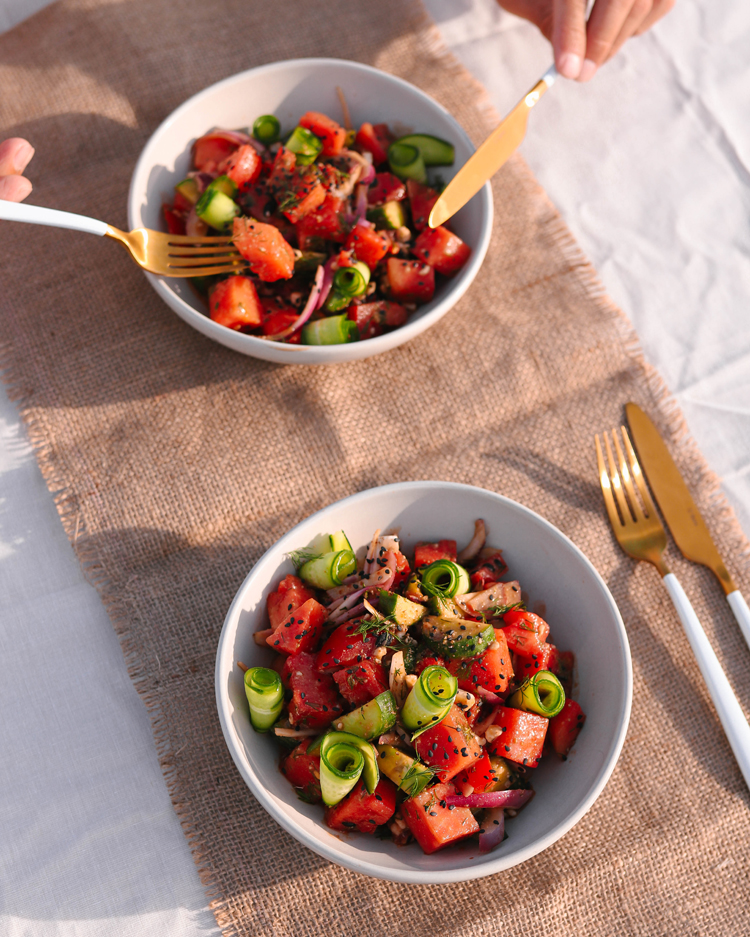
(288, 89)
(583, 618)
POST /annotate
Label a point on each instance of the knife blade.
(496, 150)
(680, 510)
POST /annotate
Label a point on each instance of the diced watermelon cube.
(315, 701)
(360, 683)
(363, 811)
(442, 249)
(426, 553)
(290, 593)
(375, 139)
(522, 737)
(410, 281)
(386, 188)
(345, 647)
(433, 823)
(369, 246)
(565, 726)
(450, 746)
(493, 670)
(268, 254)
(303, 772)
(299, 630)
(234, 303)
(243, 166)
(332, 134)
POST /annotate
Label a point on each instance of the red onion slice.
(310, 307)
(325, 287)
(491, 799)
(475, 544)
(493, 825)
(492, 698)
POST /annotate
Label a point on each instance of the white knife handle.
(730, 713)
(741, 612)
(33, 214)
(550, 76)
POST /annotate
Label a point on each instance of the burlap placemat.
(176, 462)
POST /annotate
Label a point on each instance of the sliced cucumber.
(391, 216)
(329, 570)
(456, 638)
(223, 184)
(406, 162)
(217, 209)
(371, 719)
(370, 772)
(435, 152)
(305, 145)
(188, 189)
(339, 541)
(446, 577)
(405, 772)
(401, 610)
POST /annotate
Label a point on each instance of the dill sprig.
(300, 557)
(497, 611)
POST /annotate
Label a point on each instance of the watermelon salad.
(412, 697)
(331, 224)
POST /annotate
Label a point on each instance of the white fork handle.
(33, 214)
(741, 612)
(730, 713)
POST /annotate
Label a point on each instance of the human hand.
(15, 154)
(581, 47)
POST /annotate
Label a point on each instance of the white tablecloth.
(650, 166)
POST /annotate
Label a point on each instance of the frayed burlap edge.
(665, 404)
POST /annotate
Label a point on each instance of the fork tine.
(606, 486)
(197, 271)
(626, 477)
(199, 250)
(616, 481)
(637, 472)
(189, 239)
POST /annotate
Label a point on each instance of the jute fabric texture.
(176, 462)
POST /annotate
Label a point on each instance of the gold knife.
(496, 150)
(680, 510)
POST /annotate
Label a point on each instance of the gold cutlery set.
(640, 533)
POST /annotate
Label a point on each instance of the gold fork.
(168, 255)
(641, 535)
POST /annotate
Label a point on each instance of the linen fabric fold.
(175, 463)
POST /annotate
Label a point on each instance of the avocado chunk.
(457, 638)
(444, 607)
(403, 612)
(406, 772)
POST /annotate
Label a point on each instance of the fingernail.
(569, 65)
(588, 70)
(22, 156)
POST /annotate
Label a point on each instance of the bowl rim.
(325, 847)
(299, 354)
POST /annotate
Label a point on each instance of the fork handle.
(33, 214)
(741, 612)
(730, 713)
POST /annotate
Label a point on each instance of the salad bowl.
(552, 570)
(289, 89)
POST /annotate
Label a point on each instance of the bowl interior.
(583, 618)
(288, 89)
